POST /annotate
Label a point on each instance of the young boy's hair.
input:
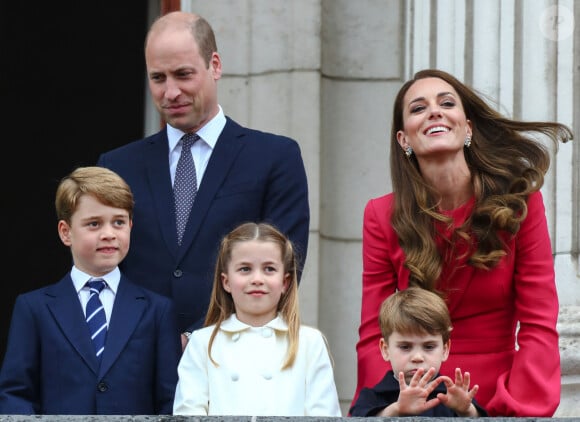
(415, 311)
(103, 184)
(221, 305)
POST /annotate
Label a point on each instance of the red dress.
(518, 380)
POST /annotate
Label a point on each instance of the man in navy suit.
(51, 365)
(242, 174)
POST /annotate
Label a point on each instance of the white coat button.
(236, 337)
(235, 376)
(267, 376)
(266, 332)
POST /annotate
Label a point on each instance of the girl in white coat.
(253, 357)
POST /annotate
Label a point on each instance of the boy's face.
(409, 352)
(98, 236)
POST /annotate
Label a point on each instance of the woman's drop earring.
(467, 141)
(408, 152)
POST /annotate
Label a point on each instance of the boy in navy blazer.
(51, 365)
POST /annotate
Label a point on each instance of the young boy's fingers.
(430, 387)
(402, 382)
(427, 376)
(466, 379)
(458, 376)
(417, 377)
(445, 379)
(473, 391)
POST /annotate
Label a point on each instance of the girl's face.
(409, 352)
(256, 280)
(435, 124)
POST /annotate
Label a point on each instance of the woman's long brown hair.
(506, 163)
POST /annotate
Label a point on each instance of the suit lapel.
(158, 175)
(222, 158)
(130, 303)
(63, 303)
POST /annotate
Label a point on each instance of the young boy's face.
(409, 352)
(98, 236)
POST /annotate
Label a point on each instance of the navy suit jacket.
(50, 365)
(251, 176)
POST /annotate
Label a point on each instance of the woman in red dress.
(466, 218)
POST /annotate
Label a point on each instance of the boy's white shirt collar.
(80, 278)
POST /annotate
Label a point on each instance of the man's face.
(183, 87)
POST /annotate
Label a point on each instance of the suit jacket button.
(102, 386)
(177, 273)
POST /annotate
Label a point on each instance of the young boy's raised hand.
(459, 397)
(413, 397)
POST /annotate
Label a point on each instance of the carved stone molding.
(569, 330)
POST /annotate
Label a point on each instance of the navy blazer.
(50, 365)
(251, 176)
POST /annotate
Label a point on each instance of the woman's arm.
(532, 387)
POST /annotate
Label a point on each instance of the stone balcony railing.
(149, 418)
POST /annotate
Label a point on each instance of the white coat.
(249, 380)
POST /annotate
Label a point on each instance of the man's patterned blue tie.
(185, 184)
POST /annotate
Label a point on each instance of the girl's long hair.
(221, 305)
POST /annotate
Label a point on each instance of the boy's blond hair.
(103, 184)
(415, 311)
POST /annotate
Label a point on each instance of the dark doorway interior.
(72, 86)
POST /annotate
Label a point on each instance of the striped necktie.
(96, 317)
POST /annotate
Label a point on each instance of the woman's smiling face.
(434, 119)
